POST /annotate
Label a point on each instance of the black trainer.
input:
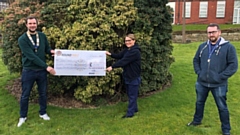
(194, 123)
(126, 116)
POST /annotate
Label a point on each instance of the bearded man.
(214, 62)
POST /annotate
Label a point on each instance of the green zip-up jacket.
(30, 58)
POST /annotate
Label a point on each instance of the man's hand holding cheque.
(51, 70)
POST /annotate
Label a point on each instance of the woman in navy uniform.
(130, 60)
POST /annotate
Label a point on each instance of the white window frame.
(172, 5)
(3, 6)
(236, 13)
(188, 10)
(221, 7)
(236, 16)
(203, 9)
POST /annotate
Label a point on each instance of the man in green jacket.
(34, 45)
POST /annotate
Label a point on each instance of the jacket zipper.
(208, 71)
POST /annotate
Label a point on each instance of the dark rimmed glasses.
(211, 32)
(128, 40)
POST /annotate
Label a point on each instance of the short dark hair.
(31, 17)
(214, 25)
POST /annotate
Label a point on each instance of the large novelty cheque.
(80, 63)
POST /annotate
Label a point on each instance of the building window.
(203, 9)
(236, 13)
(172, 10)
(3, 5)
(221, 9)
(188, 10)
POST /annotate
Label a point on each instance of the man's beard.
(31, 31)
(213, 39)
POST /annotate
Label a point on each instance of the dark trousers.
(28, 79)
(220, 97)
(132, 88)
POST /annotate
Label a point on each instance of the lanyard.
(37, 40)
(210, 51)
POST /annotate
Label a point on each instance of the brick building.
(206, 11)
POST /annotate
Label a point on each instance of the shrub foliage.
(95, 25)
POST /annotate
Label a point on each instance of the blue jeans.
(219, 94)
(28, 79)
(132, 88)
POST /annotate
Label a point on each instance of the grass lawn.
(190, 27)
(165, 113)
